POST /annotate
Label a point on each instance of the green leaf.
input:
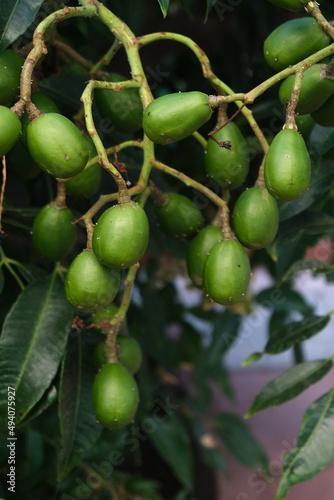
(209, 449)
(15, 17)
(66, 89)
(2, 280)
(48, 398)
(290, 384)
(253, 358)
(32, 344)
(296, 332)
(311, 264)
(237, 438)
(209, 5)
(321, 141)
(164, 6)
(315, 445)
(283, 299)
(171, 440)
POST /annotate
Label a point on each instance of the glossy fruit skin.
(57, 145)
(121, 235)
(228, 167)
(174, 117)
(198, 252)
(255, 218)
(123, 108)
(324, 116)
(115, 396)
(179, 217)
(315, 90)
(294, 41)
(44, 104)
(107, 314)
(227, 273)
(9, 130)
(85, 184)
(293, 5)
(129, 354)
(53, 235)
(89, 285)
(287, 167)
(10, 70)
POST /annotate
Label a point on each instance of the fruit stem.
(105, 60)
(160, 198)
(60, 200)
(290, 122)
(313, 9)
(260, 182)
(110, 346)
(226, 228)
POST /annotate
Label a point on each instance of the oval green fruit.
(107, 314)
(85, 184)
(255, 218)
(315, 89)
(227, 273)
(228, 167)
(293, 5)
(89, 285)
(129, 354)
(121, 235)
(294, 41)
(198, 252)
(174, 117)
(179, 217)
(57, 145)
(53, 233)
(324, 116)
(287, 167)
(9, 131)
(10, 71)
(44, 104)
(115, 396)
(124, 107)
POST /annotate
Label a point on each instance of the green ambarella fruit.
(178, 216)
(287, 167)
(293, 5)
(9, 131)
(228, 167)
(255, 218)
(121, 235)
(294, 41)
(115, 396)
(174, 117)
(44, 104)
(324, 116)
(198, 252)
(305, 124)
(85, 184)
(315, 90)
(57, 145)
(123, 107)
(53, 233)
(10, 71)
(129, 354)
(89, 285)
(227, 273)
(105, 315)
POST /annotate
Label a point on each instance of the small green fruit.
(255, 218)
(227, 273)
(57, 145)
(44, 104)
(174, 117)
(287, 166)
(305, 124)
(228, 167)
(198, 252)
(10, 70)
(179, 217)
(106, 315)
(89, 285)
(129, 354)
(115, 396)
(53, 233)
(121, 235)
(85, 184)
(9, 131)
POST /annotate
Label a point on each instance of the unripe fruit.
(9, 131)
(57, 145)
(53, 233)
(324, 116)
(179, 217)
(10, 70)
(89, 285)
(293, 5)
(305, 124)
(255, 218)
(123, 108)
(315, 90)
(121, 235)
(129, 354)
(228, 167)
(85, 184)
(107, 314)
(287, 166)
(173, 117)
(44, 104)
(294, 41)
(227, 273)
(115, 396)
(198, 252)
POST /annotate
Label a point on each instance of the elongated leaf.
(164, 6)
(15, 17)
(296, 332)
(315, 445)
(314, 265)
(321, 141)
(290, 384)
(283, 299)
(49, 397)
(32, 344)
(237, 438)
(172, 442)
(252, 358)
(209, 5)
